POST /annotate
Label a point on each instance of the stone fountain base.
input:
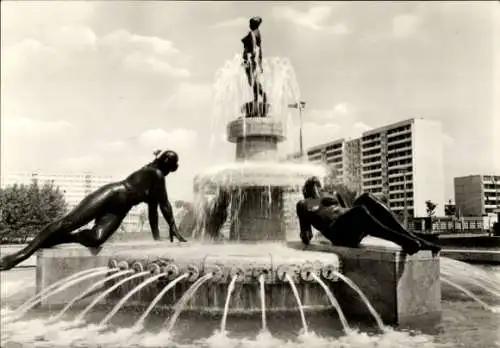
(405, 290)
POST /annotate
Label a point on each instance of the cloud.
(448, 140)
(190, 97)
(232, 23)
(82, 163)
(326, 125)
(179, 138)
(404, 25)
(112, 146)
(124, 40)
(72, 37)
(336, 113)
(25, 126)
(140, 62)
(313, 18)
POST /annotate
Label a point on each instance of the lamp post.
(299, 105)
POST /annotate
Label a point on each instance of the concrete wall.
(428, 168)
(469, 197)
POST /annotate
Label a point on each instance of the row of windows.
(401, 178)
(402, 153)
(371, 152)
(399, 129)
(334, 146)
(400, 171)
(372, 159)
(400, 162)
(371, 137)
(401, 195)
(371, 175)
(399, 146)
(408, 187)
(399, 137)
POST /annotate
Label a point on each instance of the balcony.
(399, 158)
(370, 146)
(401, 132)
(372, 171)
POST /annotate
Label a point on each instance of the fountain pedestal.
(405, 290)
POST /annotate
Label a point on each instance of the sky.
(98, 86)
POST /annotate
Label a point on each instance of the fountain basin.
(404, 290)
(246, 262)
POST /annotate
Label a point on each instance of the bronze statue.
(347, 226)
(252, 60)
(108, 206)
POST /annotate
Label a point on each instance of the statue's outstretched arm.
(305, 226)
(165, 207)
(153, 219)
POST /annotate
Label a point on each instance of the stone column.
(258, 210)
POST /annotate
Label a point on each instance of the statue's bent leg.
(358, 222)
(383, 214)
(55, 233)
(103, 228)
(380, 211)
(58, 232)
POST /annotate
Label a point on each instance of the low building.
(477, 195)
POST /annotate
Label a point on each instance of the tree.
(430, 208)
(26, 209)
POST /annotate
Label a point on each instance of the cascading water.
(131, 293)
(230, 290)
(263, 301)
(468, 293)
(107, 292)
(88, 291)
(290, 281)
(372, 310)
(140, 321)
(185, 298)
(334, 302)
(55, 285)
(72, 282)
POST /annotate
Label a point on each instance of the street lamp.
(299, 105)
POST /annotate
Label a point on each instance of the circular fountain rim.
(260, 173)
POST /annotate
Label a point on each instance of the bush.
(26, 209)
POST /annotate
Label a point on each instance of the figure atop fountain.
(345, 226)
(108, 206)
(252, 61)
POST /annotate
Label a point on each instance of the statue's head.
(255, 23)
(311, 187)
(167, 161)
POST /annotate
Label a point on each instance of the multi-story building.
(477, 195)
(401, 162)
(74, 186)
(344, 157)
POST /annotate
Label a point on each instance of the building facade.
(477, 195)
(401, 162)
(344, 157)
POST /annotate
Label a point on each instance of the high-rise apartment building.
(477, 195)
(402, 162)
(344, 156)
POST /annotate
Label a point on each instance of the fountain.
(261, 268)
